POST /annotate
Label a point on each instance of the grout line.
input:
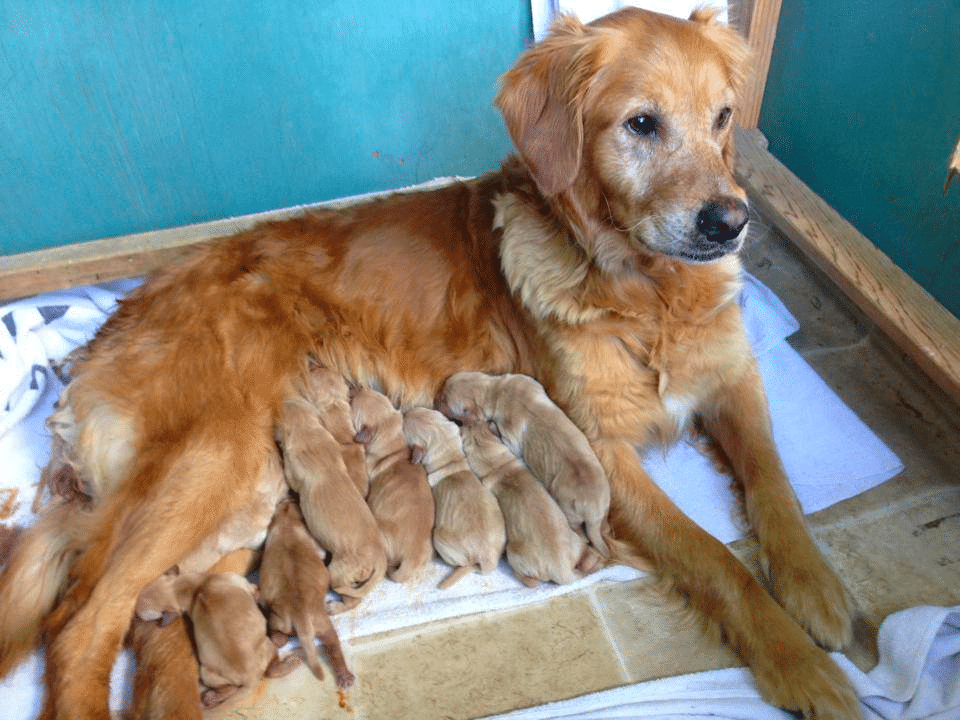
(820, 352)
(608, 633)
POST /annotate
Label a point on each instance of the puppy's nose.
(722, 220)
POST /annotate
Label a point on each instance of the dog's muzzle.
(720, 221)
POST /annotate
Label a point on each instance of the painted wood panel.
(863, 104)
(122, 117)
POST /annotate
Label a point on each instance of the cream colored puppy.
(332, 507)
(400, 496)
(293, 584)
(229, 631)
(468, 531)
(541, 546)
(328, 392)
(540, 433)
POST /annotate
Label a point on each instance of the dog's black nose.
(722, 220)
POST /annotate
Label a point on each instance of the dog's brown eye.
(642, 125)
(723, 118)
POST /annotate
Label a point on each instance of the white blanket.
(829, 453)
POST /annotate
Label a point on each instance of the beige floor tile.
(461, 669)
(655, 636)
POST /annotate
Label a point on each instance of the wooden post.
(761, 35)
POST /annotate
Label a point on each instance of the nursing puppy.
(293, 585)
(541, 546)
(332, 507)
(541, 434)
(601, 261)
(166, 679)
(468, 528)
(400, 497)
(329, 393)
(229, 631)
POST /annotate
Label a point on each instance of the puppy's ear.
(542, 97)
(416, 454)
(184, 589)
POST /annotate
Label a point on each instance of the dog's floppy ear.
(541, 99)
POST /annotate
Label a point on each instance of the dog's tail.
(34, 579)
(456, 576)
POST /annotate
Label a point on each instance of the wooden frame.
(911, 317)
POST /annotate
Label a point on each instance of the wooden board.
(907, 313)
(764, 16)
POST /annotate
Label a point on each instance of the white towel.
(918, 676)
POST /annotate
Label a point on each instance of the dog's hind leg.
(168, 504)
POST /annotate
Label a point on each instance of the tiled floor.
(896, 545)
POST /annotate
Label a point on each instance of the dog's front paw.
(808, 681)
(808, 588)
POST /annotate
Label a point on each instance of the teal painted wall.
(120, 117)
(863, 104)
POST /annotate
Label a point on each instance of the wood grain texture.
(907, 313)
(764, 17)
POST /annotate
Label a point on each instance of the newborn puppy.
(332, 507)
(229, 631)
(165, 682)
(540, 433)
(468, 531)
(328, 392)
(293, 584)
(400, 497)
(540, 543)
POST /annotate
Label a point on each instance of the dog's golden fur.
(601, 261)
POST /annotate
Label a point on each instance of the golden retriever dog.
(229, 631)
(330, 395)
(293, 585)
(334, 511)
(600, 260)
(541, 545)
(400, 497)
(166, 679)
(468, 527)
(540, 434)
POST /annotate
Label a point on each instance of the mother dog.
(602, 262)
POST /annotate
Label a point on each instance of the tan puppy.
(541, 434)
(468, 530)
(329, 393)
(293, 584)
(332, 507)
(229, 631)
(166, 679)
(400, 497)
(541, 546)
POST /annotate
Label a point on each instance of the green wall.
(863, 104)
(124, 116)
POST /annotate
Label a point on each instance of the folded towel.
(918, 676)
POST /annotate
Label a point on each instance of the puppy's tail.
(594, 530)
(456, 576)
(307, 636)
(33, 580)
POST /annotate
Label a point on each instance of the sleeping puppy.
(293, 585)
(468, 531)
(229, 631)
(541, 434)
(329, 393)
(541, 546)
(332, 507)
(165, 682)
(400, 497)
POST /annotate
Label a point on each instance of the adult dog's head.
(627, 123)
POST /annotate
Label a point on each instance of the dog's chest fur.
(630, 356)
